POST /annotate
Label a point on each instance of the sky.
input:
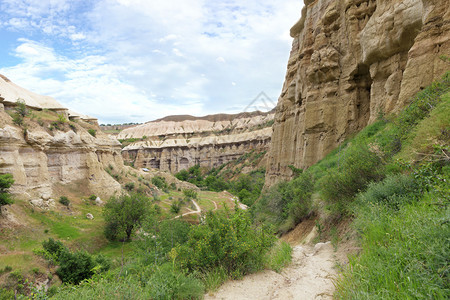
(138, 60)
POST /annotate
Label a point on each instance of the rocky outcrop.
(41, 157)
(350, 61)
(179, 142)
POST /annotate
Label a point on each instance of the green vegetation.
(392, 178)
(287, 203)
(124, 214)
(64, 200)
(92, 132)
(73, 266)
(6, 180)
(159, 182)
(246, 186)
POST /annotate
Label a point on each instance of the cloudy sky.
(138, 60)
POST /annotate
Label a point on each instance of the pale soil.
(309, 276)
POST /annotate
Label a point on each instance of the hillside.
(176, 143)
(351, 61)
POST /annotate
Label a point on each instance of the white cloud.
(152, 58)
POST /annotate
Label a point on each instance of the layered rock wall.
(179, 142)
(350, 61)
(41, 158)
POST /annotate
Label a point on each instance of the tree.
(123, 214)
(6, 180)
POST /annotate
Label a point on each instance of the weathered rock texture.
(179, 142)
(40, 158)
(350, 61)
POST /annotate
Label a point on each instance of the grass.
(404, 219)
(279, 257)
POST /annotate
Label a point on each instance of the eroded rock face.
(40, 159)
(350, 61)
(179, 142)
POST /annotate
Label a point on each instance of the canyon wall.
(351, 61)
(179, 142)
(43, 153)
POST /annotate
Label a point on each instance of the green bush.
(159, 182)
(6, 181)
(92, 132)
(129, 186)
(190, 194)
(287, 203)
(226, 240)
(359, 167)
(64, 200)
(92, 197)
(21, 108)
(73, 267)
(393, 191)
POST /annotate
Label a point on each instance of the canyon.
(351, 62)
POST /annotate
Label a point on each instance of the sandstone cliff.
(46, 151)
(179, 142)
(350, 61)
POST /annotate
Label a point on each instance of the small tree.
(6, 180)
(21, 108)
(123, 214)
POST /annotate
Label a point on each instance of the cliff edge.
(351, 61)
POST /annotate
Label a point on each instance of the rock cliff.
(352, 60)
(47, 150)
(179, 142)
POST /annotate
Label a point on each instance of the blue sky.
(139, 60)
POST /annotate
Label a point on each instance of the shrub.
(393, 191)
(129, 186)
(73, 267)
(287, 203)
(62, 119)
(92, 132)
(18, 119)
(159, 182)
(21, 108)
(191, 194)
(6, 180)
(359, 167)
(64, 200)
(226, 240)
(92, 197)
(175, 207)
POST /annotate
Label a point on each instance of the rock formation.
(40, 156)
(179, 142)
(350, 61)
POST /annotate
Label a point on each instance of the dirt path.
(309, 276)
(197, 211)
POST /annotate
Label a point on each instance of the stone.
(180, 142)
(43, 204)
(41, 159)
(89, 216)
(99, 201)
(350, 61)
